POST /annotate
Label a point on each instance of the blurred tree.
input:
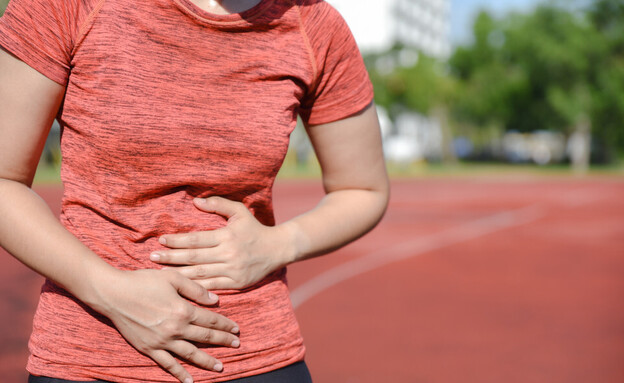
(607, 17)
(520, 71)
(405, 79)
(552, 69)
(3, 4)
(467, 60)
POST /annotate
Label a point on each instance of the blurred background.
(522, 81)
(501, 256)
(479, 82)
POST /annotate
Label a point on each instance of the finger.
(187, 256)
(210, 320)
(191, 353)
(208, 271)
(221, 206)
(194, 240)
(219, 283)
(209, 336)
(191, 290)
(168, 362)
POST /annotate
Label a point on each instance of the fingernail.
(155, 257)
(188, 380)
(235, 330)
(199, 200)
(213, 296)
(218, 367)
(162, 240)
(235, 343)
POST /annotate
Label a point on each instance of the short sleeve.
(41, 33)
(342, 86)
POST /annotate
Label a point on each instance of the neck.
(225, 7)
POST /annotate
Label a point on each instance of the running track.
(519, 279)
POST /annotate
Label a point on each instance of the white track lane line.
(412, 248)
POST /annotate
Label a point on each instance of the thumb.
(220, 206)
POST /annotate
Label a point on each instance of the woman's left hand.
(232, 257)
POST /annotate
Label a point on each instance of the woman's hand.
(233, 257)
(151, 309)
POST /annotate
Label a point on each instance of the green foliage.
(417, 83)
(608, 18)
(529, 71)
(549, 69)
(3, 5)
(552, 68)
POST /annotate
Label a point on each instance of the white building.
(420, 24)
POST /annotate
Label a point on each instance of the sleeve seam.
(308, 44)
(86, 25)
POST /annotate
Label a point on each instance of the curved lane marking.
(412, 248)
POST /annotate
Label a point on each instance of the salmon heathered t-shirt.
(166, 102)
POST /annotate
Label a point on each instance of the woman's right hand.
(152, 309)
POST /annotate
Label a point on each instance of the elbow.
(383, 197)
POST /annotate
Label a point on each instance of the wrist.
(97, 278)
(295, 243)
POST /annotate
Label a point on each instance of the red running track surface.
(465, 280)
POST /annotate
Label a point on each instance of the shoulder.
(43, 33)
(323, 24)
(319, 14)
(51, 13)
(66, 6)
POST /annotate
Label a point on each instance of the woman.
(176, 116)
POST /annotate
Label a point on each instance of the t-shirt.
(166, 102)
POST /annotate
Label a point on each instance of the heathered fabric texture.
(166, 102)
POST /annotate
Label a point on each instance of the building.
(421, 27)
(424, 25)
(377, 25)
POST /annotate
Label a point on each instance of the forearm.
(341, 217)
(32, 234)
(355, 180)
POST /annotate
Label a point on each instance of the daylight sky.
(463, 12)
(373, 32)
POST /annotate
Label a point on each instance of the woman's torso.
(164, 103)
(161, 107)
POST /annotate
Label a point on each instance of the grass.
(292, 170)
(48, 174)
(464, 169)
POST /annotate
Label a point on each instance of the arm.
(355, 180)
(147, 306)
(245, 251)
